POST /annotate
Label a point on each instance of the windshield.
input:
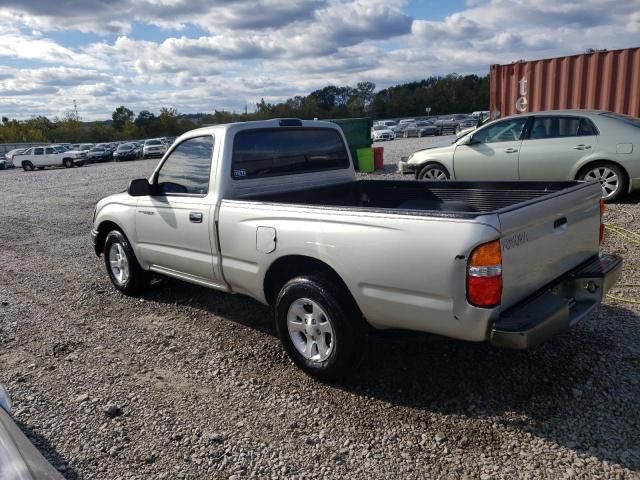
(126, 146)
(153, 142)
(629, 120)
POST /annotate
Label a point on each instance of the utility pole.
(75, 110)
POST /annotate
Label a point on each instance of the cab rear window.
(278, 151)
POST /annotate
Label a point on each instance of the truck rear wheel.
(27, 166)
(68, 163)
(320, 328)
(123, 268)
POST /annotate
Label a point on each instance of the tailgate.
(545, 238)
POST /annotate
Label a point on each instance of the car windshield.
(153, 142)
(379, 127)
(126, 146)
(629, 120)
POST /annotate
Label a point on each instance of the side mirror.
(470, 141)
(139, 187)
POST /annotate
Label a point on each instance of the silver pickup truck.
(273, 210)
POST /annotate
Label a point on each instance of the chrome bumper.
(559, 306)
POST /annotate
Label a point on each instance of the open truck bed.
(449, 198)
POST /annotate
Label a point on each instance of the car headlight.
(5, 401)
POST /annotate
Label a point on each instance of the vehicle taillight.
(484, 275)
(602, 209)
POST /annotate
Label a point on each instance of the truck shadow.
(579, 390)
(576, 390)
(49, 452)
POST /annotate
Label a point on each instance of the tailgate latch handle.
(560, 222)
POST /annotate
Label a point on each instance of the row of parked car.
(384, 130)
(72, 155)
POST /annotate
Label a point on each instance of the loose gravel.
(185, 382)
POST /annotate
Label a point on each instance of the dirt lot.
(189, 383)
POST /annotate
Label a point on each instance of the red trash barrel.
(378, 158)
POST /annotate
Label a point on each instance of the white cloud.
(273, 49)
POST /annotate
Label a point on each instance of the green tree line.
(443, 95)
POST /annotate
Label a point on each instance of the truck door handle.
(582, 146)
(195, 217)
(560, 222)
(511, 150)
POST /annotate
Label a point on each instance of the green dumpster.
(357, 131)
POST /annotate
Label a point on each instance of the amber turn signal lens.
(486, 255)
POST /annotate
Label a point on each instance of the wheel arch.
(103, 230)
(593, 162)
(290, 266)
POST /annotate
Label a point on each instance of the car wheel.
(123, 268)
(27, 166)
(68, 163)
(320, 327)
(40, 168)
(433, 172)
(613, 180)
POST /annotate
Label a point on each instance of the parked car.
(125, 151)
(99, 154)
(10, 154)
(550, 146)
(420, 129)
(153, 148)
(390, 124)
(19, 458)
(236, 219)
(380, 133)
(41, 157)
(4, 164)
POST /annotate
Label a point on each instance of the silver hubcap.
(119, 263)
(310, 330)
(609, 181)
(434, 174)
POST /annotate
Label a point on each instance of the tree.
(144, 119)
(120, 116)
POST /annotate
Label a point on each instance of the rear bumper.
(559, 306)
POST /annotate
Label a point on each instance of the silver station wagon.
(556, 145)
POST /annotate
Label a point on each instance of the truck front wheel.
(123, 268)
(320, 327)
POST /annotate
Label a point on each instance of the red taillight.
(484, 275)
(602, 209)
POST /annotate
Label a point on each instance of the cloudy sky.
(201, 55)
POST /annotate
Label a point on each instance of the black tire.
(137, 279)
(623, 183)
(68, 163)
(27, 166)
(80, 164)
(40, 168)
(349, 328)
(430, 168)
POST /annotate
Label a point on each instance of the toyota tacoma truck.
(274, 210)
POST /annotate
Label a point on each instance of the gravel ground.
(190, 383)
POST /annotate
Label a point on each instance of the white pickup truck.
(273, 210)
(50, 156)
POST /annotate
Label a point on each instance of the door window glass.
(503, 131)
(554, 127)
(38, 151)
(187, 168)
(50, 151)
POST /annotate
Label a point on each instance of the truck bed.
(448, 198)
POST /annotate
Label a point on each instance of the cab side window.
(38, 151)
(503, 131)
(187, 169)
(50, 151)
